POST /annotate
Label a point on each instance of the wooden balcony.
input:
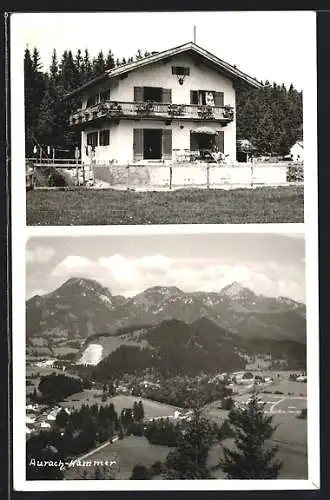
(115, 111)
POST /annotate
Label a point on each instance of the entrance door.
(152, 144)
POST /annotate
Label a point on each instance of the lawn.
(184, 206)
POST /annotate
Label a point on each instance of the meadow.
(182, 206)
(152, 409)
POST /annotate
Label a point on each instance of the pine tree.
(78, 62)
(86, 67)
(140, 472)
(189, 459)
(135, 411)
(34, 87)
(141, 410)
(53, 70)
(251, 459)
(109, 62)
(98, 65)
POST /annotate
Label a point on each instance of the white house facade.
(173, 103)
(297, 151)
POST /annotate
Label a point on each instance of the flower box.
(205, 112)
(175, 110)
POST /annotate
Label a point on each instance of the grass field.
(128, 453)
(294, 458)
(152, 409)
(137, 450)
(193, 206)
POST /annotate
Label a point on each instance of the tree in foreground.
(251, 459)
(189, 459)
(140, 472)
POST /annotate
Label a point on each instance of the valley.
(171, 351)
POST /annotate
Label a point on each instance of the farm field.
(286, 386)
(152, 409)
(185, 206)
(87, 397)
(127, 452)
(294, 458)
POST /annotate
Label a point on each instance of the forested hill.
(271, 117)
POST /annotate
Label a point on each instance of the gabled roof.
(298, 143)
(218, 64)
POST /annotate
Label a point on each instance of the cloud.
(157, 263)
(39, 255)
(75, 265)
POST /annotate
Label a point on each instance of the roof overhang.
(218, 64)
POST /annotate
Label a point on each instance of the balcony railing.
(112, 110)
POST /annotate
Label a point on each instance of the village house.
(297, 151)
(171, 105)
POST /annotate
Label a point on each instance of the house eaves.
(216, 63)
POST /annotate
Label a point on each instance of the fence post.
(252, 173)
(208, 176)
(91, 170)
(77, 173)
(170, 176)
(83, 173)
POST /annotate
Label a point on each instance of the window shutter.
(219, 99)
(220, 141)
(193, 142)
(193, 97)
(167, 144)
(138, 144)
(138, 94)
(167, 96)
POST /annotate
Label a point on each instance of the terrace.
(111, 110)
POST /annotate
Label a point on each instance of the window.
(153, 94)
(92, 139)
(105, 95)
(104, 137)
(91, 101)
(180, 70)
(206, 97)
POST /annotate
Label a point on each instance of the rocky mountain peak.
(81, 285)
(236, 290)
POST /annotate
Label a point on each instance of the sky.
(269, 264)
(264, 44)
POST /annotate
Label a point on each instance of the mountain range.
(82, 313)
